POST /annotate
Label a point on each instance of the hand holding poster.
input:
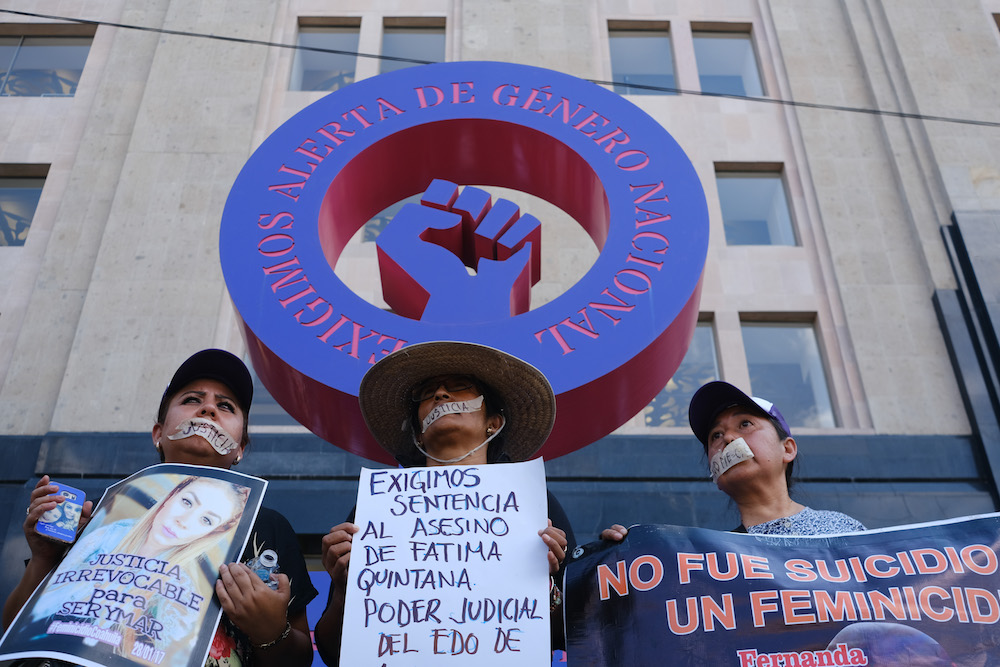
(448, 567)
(138, 585)
(926, 595)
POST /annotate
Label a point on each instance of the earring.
(238, 459)
(157, 445)
(489, 430)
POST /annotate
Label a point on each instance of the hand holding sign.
(555, 540)
(616, 533)
(337, 553)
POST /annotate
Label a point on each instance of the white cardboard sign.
(448, 568)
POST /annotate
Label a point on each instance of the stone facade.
(119, 279)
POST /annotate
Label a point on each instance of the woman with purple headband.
(751, 454)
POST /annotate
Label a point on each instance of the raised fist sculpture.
(427, 249)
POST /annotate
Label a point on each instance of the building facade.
(849, 151)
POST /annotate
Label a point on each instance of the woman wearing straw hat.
(448, 403)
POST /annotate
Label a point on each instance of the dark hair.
(161, 415)
(492, 404)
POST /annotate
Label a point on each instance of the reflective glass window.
(787, 369)
(699, 366)
(18, 200)
(755, 208)
(641, 57)
(420, 43)
(324, 70)
(42, 66)
(727, 64)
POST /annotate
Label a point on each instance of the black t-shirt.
(270, 531)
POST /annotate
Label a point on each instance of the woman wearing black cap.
(448, 403)
(202, 420)
(751, 454)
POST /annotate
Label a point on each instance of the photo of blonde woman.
(199, 513)
(136, 583)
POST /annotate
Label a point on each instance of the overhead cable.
(417, 61)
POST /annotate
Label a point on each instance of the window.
(641, 56)
(786, 368)
(754, 207)
(670, 407)
(20, 189)
(727, 64)
(34, 65)
(323, 70)
(419, 39)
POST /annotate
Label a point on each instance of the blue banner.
(924, 595)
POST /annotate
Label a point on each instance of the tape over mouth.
(449, 408)
(209, 431)
(735, 452)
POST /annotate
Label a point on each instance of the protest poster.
(923, 595)
(448, 568)
(137, 586)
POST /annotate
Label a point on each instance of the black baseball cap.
(213, 364)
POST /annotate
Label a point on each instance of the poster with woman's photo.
(137, 586)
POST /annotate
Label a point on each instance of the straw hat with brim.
(529, 404)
